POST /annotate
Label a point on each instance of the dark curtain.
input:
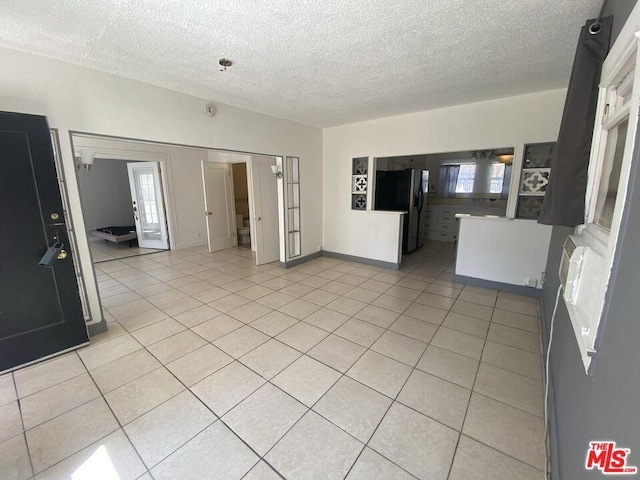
(447, 180)
(565, 198)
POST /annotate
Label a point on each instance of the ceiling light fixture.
(505, 158)
(224, 63)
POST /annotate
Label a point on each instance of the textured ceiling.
(322, 62)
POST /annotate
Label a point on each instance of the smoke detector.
(211, 109)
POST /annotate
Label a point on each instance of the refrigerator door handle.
(420, 200)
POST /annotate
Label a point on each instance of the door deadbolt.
(55, 216)
(208, 213)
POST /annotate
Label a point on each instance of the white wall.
(85, 100)
(502, 250)
(507, 122)
(106, 197)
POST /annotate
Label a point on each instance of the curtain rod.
(596, 26)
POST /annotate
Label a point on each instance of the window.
(610, 176)
(605, 178)
(466, 175)
(589, 255)
(147, 197)
(497, 178)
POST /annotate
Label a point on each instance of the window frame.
(622, 60)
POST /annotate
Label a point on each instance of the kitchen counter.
(478, 215)
(502, 250)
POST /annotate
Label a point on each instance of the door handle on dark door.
(53, 253)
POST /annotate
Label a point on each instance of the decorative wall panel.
(359, 183)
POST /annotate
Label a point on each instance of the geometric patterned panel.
(360, 166)
(535, 181)
(538, 155)
(359, 184)
(358, 202)
(529, 207)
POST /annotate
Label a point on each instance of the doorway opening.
(123, 208)
(236, 192)
(241, 203)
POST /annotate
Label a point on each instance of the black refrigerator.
(404, 190)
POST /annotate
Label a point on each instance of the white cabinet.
(440, 222)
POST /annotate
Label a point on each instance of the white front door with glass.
(148, 204)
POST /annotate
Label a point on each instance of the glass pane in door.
(610, 177)
(147, 208)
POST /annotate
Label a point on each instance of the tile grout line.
(24, 431)
(466, 411)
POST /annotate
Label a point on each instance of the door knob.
(62, 255)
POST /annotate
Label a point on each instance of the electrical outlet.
(532, 282)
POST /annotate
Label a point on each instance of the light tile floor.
(215, 368)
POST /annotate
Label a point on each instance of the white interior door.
(265, 210)
(148, 204)
(219, 205)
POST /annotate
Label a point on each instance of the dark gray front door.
(40, 309)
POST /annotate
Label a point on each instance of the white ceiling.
(322, 62)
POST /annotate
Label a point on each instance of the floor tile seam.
(140, 297)
(516, 328)
(149, 468)
(147, 411)
(130, 317)
(500, 452)
(24, 432)
(42, 422)
(507, 405)
(155, 369)
(464, 418)
(18, 398)
(540, 381)
(514, 346)
(533, 317)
